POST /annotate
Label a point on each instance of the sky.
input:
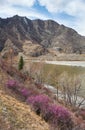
(71, 13)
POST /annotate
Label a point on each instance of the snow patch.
(25, 20)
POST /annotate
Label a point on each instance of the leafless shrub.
(70, 88)
(35, 70)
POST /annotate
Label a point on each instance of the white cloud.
(20, 7)
(28, 3)
(80, 25)
(75, 8)
(71, 7)
(8, 11)
(52, 6)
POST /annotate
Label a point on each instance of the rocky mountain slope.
(36, 37)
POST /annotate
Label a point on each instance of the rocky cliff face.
(21, 31)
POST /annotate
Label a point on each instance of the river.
(68, 63)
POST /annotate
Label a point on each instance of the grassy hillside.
(21, 94)
(15, 115)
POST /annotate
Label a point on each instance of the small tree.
(21, 63)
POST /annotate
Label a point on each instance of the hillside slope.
(15, 115)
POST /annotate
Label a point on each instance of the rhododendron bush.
(25, 92)
(56, 116)
(39, 103)
(28, 92)
(12, 84)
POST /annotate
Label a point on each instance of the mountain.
(37, 37)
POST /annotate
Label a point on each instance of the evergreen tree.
(21, 63)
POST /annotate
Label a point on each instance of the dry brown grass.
(15, 115)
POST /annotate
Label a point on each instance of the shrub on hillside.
(28, 92)
(12, 84)
(59, 117)
(25, 92)
(39, 103)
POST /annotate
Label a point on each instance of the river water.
(68, 63)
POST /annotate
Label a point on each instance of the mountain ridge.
(46, 34)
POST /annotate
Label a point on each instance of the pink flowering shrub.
(12, 84)
(58, 116)
(39, 103)
(21, 89)
(25, 92)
